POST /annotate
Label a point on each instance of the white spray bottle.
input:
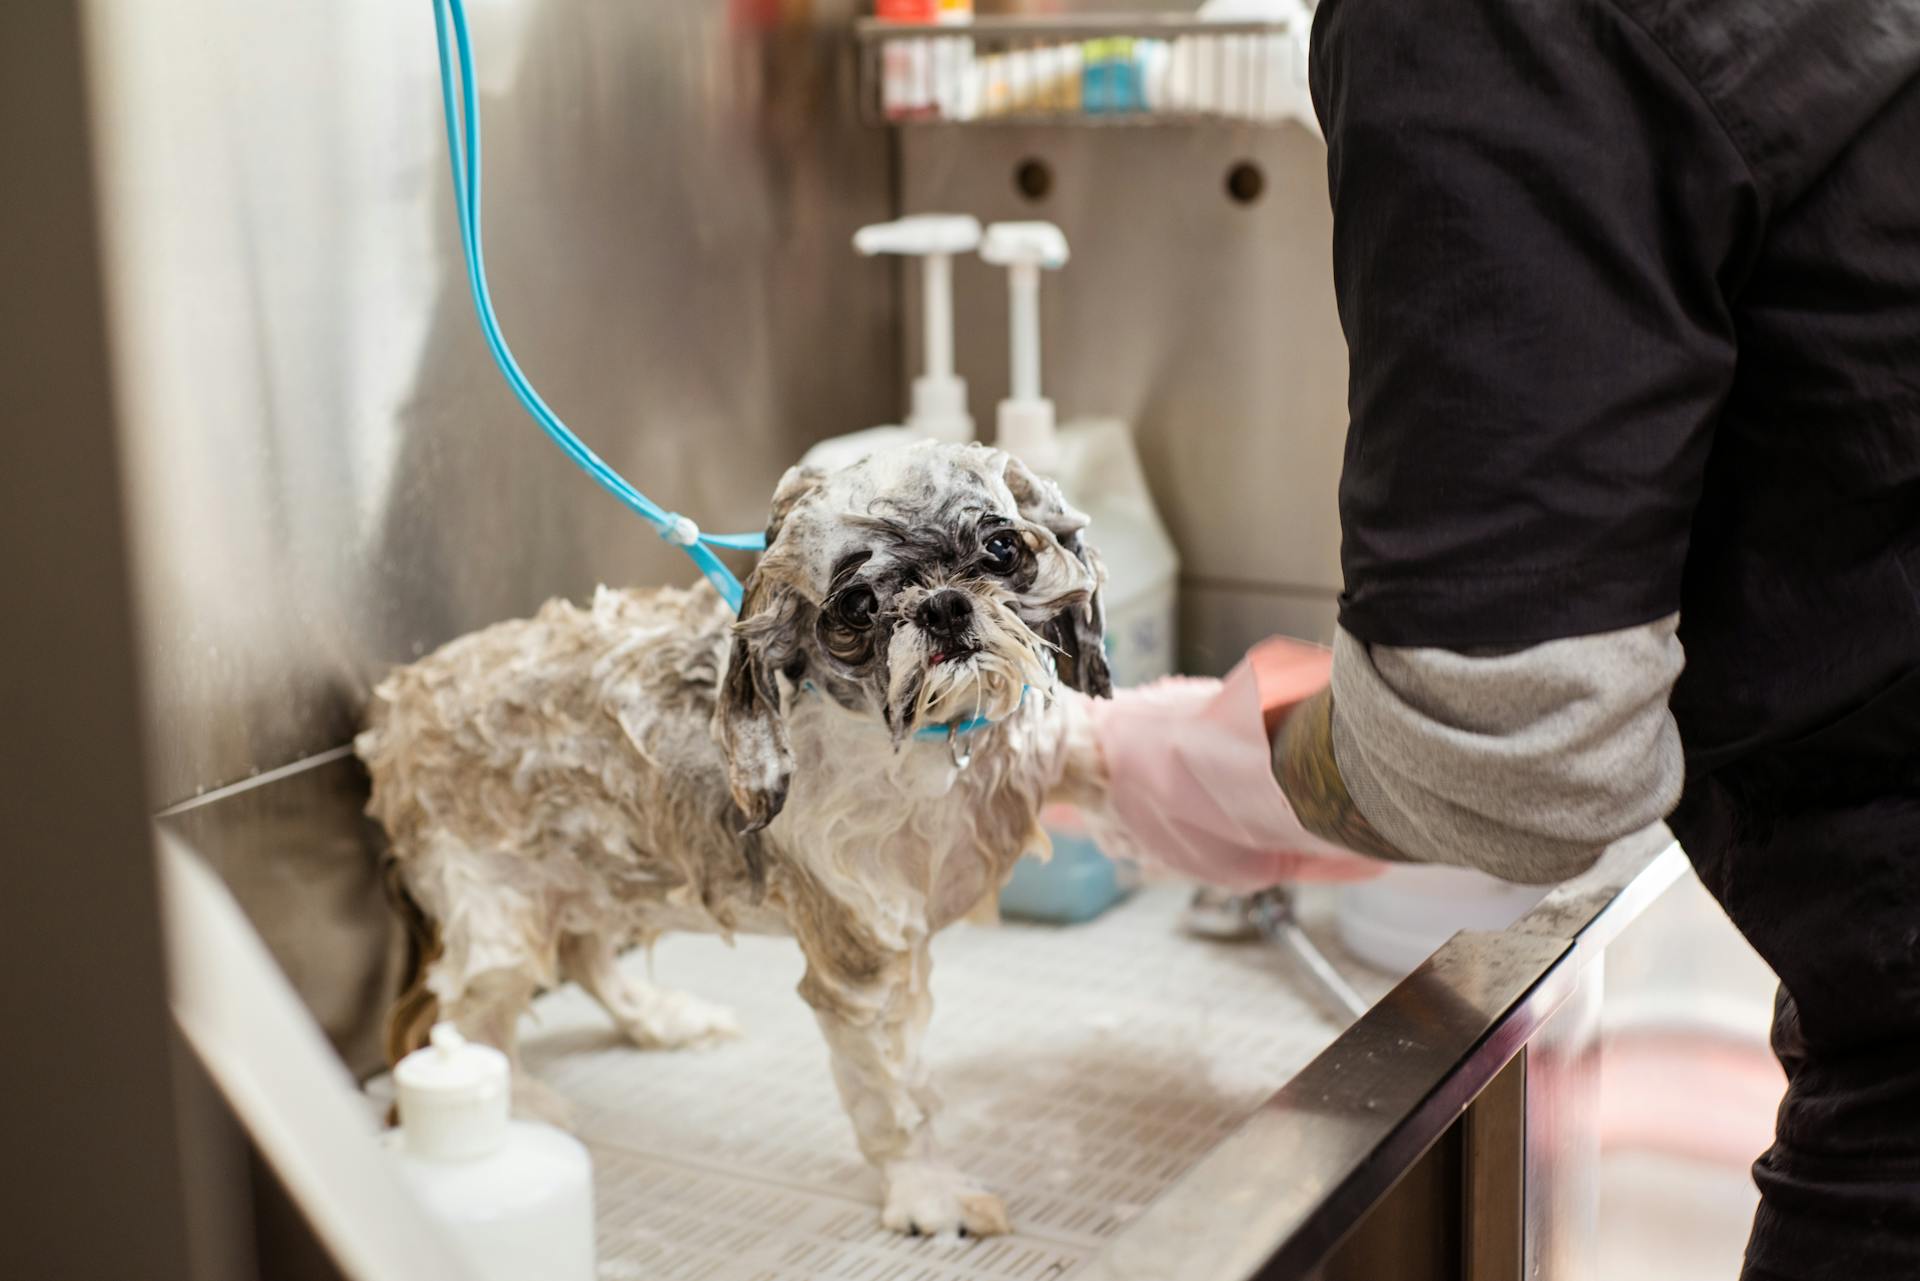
(939, 410)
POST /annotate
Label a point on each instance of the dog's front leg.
(874, 1012)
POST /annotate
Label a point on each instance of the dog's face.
(920, 586)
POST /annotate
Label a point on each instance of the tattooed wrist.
(1304, 764)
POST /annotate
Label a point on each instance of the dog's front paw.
(930, 1200)
(677, 1021)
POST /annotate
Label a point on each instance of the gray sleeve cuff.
(1526, 765)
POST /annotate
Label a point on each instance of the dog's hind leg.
(874, 1013)
(494, 944)
(412, 1014)
(652, 1018)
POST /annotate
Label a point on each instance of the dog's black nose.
(946, 614)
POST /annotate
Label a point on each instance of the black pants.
(1816, 857)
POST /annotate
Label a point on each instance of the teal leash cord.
(462, 108)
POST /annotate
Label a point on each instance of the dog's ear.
(747, 718)
(1078, 630)
(798, 482)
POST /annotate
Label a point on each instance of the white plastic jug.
(516, 1197)
(1099, 470)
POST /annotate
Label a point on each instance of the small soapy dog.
(858, 760)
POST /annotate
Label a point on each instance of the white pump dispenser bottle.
(939, 406)
(516, 1197)
(1025, 424)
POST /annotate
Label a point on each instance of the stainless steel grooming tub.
(306, 471)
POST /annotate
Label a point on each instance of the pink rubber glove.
(1190, 774)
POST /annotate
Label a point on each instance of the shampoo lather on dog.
(1097, 468)
(516, 1197)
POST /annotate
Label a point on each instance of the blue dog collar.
(957, 729)
(952, 729)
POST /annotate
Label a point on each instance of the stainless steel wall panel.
(298, 855)
(103, 1175)
(327, 473)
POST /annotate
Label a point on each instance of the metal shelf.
(1085, 69)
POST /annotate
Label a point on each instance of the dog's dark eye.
(1003, 550)
(855, 607)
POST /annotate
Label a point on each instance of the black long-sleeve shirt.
(1631, 290)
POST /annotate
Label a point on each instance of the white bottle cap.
(940, 409)
(455, 1097)
(1024, 428)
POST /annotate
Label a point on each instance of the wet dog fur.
(560, 788)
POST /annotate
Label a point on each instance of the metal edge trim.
(1550, 946)
(263, 779)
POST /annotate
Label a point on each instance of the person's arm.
(1525, 764)
(1536, 221)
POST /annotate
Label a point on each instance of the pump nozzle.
(1025, 423)
(939, 395)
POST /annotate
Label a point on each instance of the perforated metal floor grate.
(1084, 1069)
